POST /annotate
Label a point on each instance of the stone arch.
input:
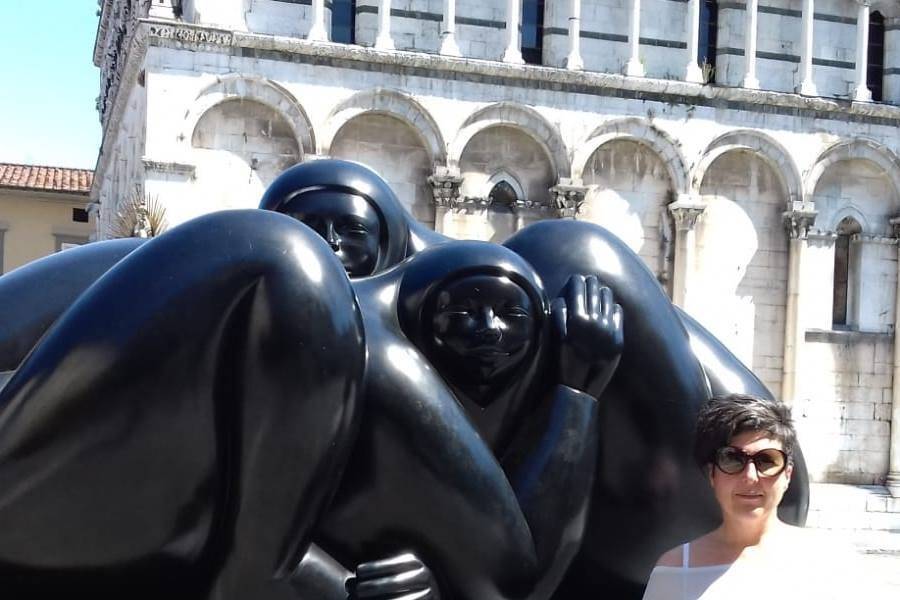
(742, 258)
(392, 103)
(852, 212)
(855, 149)
(256, 89)
(502, 175)
(520, 117)
(642, 132)
(761, 145)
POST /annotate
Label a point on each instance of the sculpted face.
(483, 326)
(348, 223)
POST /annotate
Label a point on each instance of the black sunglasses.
(769, 462)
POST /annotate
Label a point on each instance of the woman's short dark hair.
(723, 417)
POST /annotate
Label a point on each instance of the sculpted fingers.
(402, 577)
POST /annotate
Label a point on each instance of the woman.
(746, 444)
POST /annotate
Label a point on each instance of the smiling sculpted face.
(347, 222)
(483, 325)
(746, 494)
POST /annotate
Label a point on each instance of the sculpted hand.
(588, 327)
(401, 577)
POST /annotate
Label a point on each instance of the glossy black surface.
(486, 481)
(197, 423)
(178, 430)
(649, 495)
(353, 208)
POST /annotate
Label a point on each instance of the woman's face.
(747, 495)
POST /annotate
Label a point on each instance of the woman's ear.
(710, 474)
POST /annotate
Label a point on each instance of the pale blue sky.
(48, 82)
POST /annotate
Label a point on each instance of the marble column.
(686, 211)
(751, 17)
(383, 40)
(807, 85)
(568, 196)
(798, 222)
(445, 185)
(513, 52)
(318, 33)
(574, 61)
(862, 93)
(448, 30)
(634, 67)
(693, 73)
(893, 477)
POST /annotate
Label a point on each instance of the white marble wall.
(544, 127)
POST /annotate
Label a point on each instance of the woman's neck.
(740, 534)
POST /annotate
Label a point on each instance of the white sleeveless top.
(684, 582)
(792, 571)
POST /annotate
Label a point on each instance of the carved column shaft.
(317, 32)
(798, 222)
(383, 40)
(807, 84)
(574, 61)
(751, 18)
(693, 74)
(686, 212)
(445, 185)
(513, 52)
(634, 68)
(862, 93)
(449, 46)
(893, 477)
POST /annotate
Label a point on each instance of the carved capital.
(799, 220)
(445, 185)
(686, 212)
(568, 197)
(895, 226)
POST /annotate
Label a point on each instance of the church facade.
(748, 151)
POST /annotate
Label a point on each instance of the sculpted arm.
(552, 463)
(35, 295)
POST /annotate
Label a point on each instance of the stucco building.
(42, 211)
(748, 151)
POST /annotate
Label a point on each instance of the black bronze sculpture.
(215, 520)
(432, 410)
(149, 444)
(477, 444)
(353, 209)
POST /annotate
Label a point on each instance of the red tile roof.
(47, 179)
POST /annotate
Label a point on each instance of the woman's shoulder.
(672, 557)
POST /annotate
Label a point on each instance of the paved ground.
(866, 518)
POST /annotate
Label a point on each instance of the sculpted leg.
(180, 428)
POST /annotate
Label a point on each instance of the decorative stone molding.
(686, 212)
(799, 219)
(568, 197)
(445, 185)
(119, 25)
(873, 239)
(190, 34)
(169, 167)
(822, 236)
